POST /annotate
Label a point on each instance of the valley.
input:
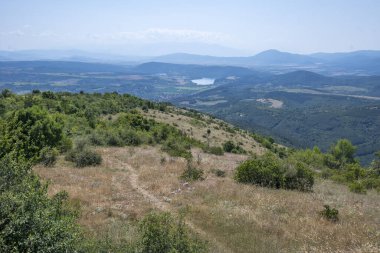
(329, 107)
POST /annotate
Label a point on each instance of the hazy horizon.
(219, 28)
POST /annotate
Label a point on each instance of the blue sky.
(235, 27)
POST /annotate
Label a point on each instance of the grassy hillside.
(149, 177)
(304, 116)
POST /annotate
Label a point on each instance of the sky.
(148, 27)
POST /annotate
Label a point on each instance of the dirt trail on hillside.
(164, 206)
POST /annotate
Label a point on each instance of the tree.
(376, 163)
(343, 152)
(30, 221)
(27, 131)
(6, 93)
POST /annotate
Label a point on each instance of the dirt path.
(164, 206)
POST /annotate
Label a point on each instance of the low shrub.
(330, 214)
(357, 187)
(230, 147)
(82, 155)
(263, 171)
(371, 183)
(219, 172)
(48, 156)
(213, 150)
(192, 173)
(113, 139)
(176, 148)
(270, 171)
(161, 233)
(298, 177)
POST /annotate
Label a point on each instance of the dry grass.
(198, 129)
(234, 217)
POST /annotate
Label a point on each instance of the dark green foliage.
(27, 131)
(160, 233)
(6, 93)
(230, 147)
(48, 156)
(192, 173)
(48, 95)
(375, 165)
(84, 158)
(298, 177)
(270, 171)
(330, 214)
(177, 148)
(30, 221)
(82, 155)
(357, 187)
(213, 150)
(343, 152)
(264, 171)
(219, 172)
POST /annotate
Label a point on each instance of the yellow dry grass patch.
(233, 217)
(197, 129)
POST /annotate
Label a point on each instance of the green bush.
(177, 148)
(48, 156)
(330, 214)
(219, 172)
(264, 171)
(30, 221)
(113, 139)
(228, 146)
(27, 131)
(270, 171)
(371, 183)
(213, 150)
(298, 177)
(160, 233)
(84, 158)
(357, 187)
(192, 173)
(130, 138)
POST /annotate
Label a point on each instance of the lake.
(204, 81)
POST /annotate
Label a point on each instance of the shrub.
(330, 214)
(130, 138)
(228, 146)
(298, 177)
(113, 139)
(30, 220)
(84, 158)
(96, 139)
(213, 150)
(343, 151)
(48, 156)
(371, 183)
(161, 234)
(357, 187)
(263, 171)
(270, 171)
(177, 148)
(191, 173)
(27, 131)
(219, 172)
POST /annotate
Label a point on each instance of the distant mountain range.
(359, 62)
(365, 62)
